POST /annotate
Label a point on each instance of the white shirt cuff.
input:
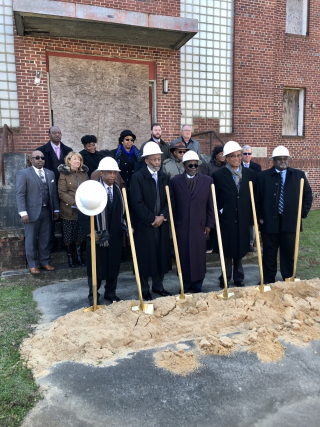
(24, 213)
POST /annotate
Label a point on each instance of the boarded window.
(297, 17)
(292, 118)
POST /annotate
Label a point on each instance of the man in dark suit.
(150, 214)
(54, 151)
(193, 218)
(277, 198)
(109, 226)
(235, 210)
(38, 206)
(247, 163)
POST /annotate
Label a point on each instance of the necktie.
(57, 149)
(110, 195)
(155, 177)
(41, 176)
(281, 198)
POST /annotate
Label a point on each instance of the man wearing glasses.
(38, 205)
(193, 218)
(247, 163)
(235, 211)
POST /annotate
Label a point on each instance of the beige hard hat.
(280, 151)
(108, 164)
(191, 155)
(91, 198)
(231, 147)
(151, 148)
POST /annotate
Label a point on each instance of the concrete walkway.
(227, 391)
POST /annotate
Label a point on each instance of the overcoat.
(92, 161)
(192, 213)
(126, 165)
(153, 252)
(235, 211)
(107, 258)
(172, 167)
(267, 192)
(52, 162)
(68, 184)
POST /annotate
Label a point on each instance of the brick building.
(247, 69)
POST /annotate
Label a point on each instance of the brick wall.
(12, 253)
(265, 61)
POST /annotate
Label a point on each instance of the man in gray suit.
(38, 206)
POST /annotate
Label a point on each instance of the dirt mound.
(250, 320)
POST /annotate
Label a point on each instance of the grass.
(309, 249)
(18, 391)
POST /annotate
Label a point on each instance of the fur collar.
(65, 170)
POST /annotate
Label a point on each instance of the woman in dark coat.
(217, 162)
(126, 155)
(92, 157)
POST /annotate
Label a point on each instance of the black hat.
(124, 133)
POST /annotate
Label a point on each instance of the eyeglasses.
(235, 157)
(127, 139)
(39, 157)
(193, 165)
(181, 151)
(247, 154)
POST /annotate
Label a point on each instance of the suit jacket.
(29, 194)
(236, 215)
(152, 244)
(51, 161)
(267, 193)
(192, 213)
(255, 167)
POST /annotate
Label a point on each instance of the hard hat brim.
(271, 158)
(90, 187)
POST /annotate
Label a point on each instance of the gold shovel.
(94, 307)
(262, 287)
(146, 308)
(296, 248)
(225, 294)
(176, 251)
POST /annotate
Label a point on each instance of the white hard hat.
(91, 198)
(151, 148)
(191, 155)
(231, 147)
(280, 151)
(108, 164)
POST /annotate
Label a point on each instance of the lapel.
(183, 184)
(229, 179)
(35, 176)
(47, 174)
(245, 180)
(115, 196)
(151, 184)
(199, 185)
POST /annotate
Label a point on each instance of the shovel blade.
(293, 279)
(146, 308)
(93, 309)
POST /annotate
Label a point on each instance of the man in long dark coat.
(193, 218)
(277, 198)
(109, 226)
(235, 210)
(150, 215)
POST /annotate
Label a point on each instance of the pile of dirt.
(179, 362)
(250, 320)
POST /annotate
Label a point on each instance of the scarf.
(133, 152)
(237, 176)
(192, 182)
(102, 218)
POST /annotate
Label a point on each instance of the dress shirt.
(54, 147)
(156, 140)
(106, 186)
(284, 174)
(189, 176)
(246, 165)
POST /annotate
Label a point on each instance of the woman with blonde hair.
(72, 174)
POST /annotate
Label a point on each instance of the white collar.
(189, 176)
(151, 171)
(37, 170)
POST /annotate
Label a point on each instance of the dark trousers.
(157, 283)
(271, 243)
(109, 288)
(196, 286)
(37, 239)
(238, 274)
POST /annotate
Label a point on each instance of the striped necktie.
(281, 198)
(110, 197)
(155, 177)
(41, 176)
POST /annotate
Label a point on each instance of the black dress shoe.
(146, 296)
(239, 284)
(163, 293)
(112, 299)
